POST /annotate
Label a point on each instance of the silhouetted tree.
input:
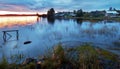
(114, 9)
(79, 13)
(110, 9)
(86, 14)
(97, 13)
(74, 11)
(118, 12)
(51, 15)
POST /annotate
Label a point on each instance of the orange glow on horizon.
(11, 21)
(10, 12)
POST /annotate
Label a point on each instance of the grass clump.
(57, 60)
(88, 57)
(28, 66)
(4, 63)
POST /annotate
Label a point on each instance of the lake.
(45, 34)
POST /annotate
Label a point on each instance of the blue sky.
(59, 5)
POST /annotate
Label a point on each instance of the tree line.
(81, 13)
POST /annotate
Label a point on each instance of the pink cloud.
(10, 7)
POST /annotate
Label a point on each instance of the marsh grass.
(80, 57)
(57, 59)
(17, 58)
(106, 31)
(4, 63)
(108, 55)
(117, 43)
(28, 66)
(88, 57)
(84, 56)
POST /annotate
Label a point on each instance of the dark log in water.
(27, 42)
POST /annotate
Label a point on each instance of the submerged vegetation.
(80, 57)
(117, 43)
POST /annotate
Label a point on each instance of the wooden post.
(4, 36)
(5, 33)
(17, 34)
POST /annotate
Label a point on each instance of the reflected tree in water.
(79, 21)
(51, 20)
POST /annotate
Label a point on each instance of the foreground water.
(45, 34)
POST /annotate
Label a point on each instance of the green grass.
(88, 57)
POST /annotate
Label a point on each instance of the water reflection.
(11, 21)
(79, 21)
(51, 20)
(67, 31)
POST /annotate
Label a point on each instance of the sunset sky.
(59, 5)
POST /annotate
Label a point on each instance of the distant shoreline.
(92, 18)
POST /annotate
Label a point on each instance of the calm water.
(44, 34)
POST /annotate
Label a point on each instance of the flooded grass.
(17, 58)
(115, 48)
(105, 31)
(117, 43)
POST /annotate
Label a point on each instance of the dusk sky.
(63, 5)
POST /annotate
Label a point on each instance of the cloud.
(10, 7)
(44, 5)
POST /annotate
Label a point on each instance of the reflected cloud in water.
(47, 33)
(11, 21)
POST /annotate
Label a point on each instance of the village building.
(112, 13)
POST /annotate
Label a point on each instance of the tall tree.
(51, 13)
(74, 11)
(79, 13)
(118, 12)
(110, 9)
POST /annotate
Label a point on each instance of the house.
(59, 14)
(72, 14)
(112, 13)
